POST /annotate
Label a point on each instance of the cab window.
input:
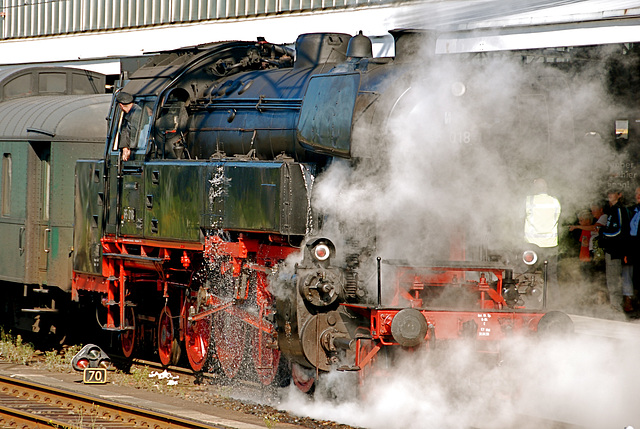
(133, 127)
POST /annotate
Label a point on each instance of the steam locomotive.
(211, 238)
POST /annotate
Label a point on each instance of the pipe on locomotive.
(378, 260)
(544, 286)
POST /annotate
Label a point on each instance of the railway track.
(213, 391)
(28, 405)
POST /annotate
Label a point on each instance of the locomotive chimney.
(411, 45)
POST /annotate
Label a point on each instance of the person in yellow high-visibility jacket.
(542, 213)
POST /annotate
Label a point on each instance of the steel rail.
(27, 404)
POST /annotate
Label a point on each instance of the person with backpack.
(634, 248)
(615, 239)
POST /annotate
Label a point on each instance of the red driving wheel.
(229, 337)
(264, 352)
(265, 358)
(128, 335)
(166, 338)
(197, 340)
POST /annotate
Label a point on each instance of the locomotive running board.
(133, 257)
(136, 261)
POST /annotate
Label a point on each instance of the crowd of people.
(609, 244)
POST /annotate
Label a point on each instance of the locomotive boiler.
(209, 239)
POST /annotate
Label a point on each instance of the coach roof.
(55, 118)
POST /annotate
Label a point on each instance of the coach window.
(18, 87)
(45, 168)
(52, 83)
(84, 84)
(6, 184)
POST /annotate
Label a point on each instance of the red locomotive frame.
(128, 261)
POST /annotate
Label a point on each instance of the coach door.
(13, 210)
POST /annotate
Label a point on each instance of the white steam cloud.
(584, 381)
(445, 163)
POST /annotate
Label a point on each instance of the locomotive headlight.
(458, 89)
(322, 252)
(529, 257)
